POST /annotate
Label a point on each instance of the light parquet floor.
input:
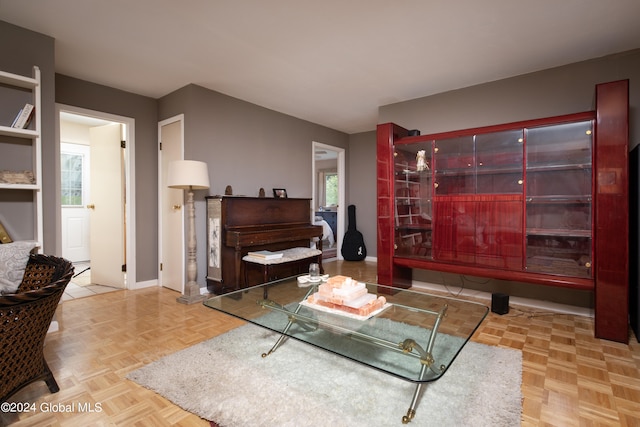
(569, 378)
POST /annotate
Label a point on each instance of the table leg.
(411, 412)
(426, 357)
(283, 337)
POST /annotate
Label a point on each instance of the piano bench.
(290, 257)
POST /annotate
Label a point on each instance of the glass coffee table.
(411, 335)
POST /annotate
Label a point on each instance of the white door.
(74, 165)
(107, 207)
(172, 253)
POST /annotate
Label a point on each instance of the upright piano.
(237, 225)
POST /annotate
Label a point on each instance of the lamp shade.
(187, 174)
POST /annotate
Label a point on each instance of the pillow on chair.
(13, 261)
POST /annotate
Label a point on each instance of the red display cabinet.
(534, 201)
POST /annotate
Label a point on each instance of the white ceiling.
(332, 62)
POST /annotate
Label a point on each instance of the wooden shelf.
(18, 133)
(32, 187)
(15, 82)
(19, 81)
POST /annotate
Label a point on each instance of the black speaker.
(500, 303)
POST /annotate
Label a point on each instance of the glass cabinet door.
(478, 201)
(558, 199)
(413, 206)
(499, 162)
(455, 166)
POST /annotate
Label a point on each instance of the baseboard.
(367, 259)
(145, 284)
(513, 301)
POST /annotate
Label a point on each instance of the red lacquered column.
(612, 211)
(388, 274)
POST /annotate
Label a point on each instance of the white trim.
(342, 178)
(145, 284)
(130, 185)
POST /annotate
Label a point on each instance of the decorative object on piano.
(353, 248)
(279, 193)
(12, 177)
(261, 192)
(189, 175)
(228, 191)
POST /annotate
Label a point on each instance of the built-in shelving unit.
(22, 148)
(541, 201)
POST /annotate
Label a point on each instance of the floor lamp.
(189, 175)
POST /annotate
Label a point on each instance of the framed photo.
(279, 193)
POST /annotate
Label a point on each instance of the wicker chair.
(24, 321)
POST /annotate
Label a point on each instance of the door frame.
(163, 205)
(341, 189)
(129, 170)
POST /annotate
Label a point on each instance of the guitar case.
(353, 248)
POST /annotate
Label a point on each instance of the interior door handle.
(91, 206)
(177, 207)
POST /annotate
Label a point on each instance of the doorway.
(171, 234)
(328, 183)
(97, 207)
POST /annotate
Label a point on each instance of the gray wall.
(20, 50)
(557, 91)
(361, 179)
(248, 147)
(563, 90)
(245, 146)
(143, 110)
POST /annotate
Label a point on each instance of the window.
(331, 189)
(71, 172)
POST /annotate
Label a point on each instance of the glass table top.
(413, 335)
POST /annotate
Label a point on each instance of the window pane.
(331, 189)
(71, 173)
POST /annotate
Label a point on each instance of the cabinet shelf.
(558, 232)
(544, 200)
(414, 227)
(560, 167)
(478, 171)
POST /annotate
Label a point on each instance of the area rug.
(226, 380)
